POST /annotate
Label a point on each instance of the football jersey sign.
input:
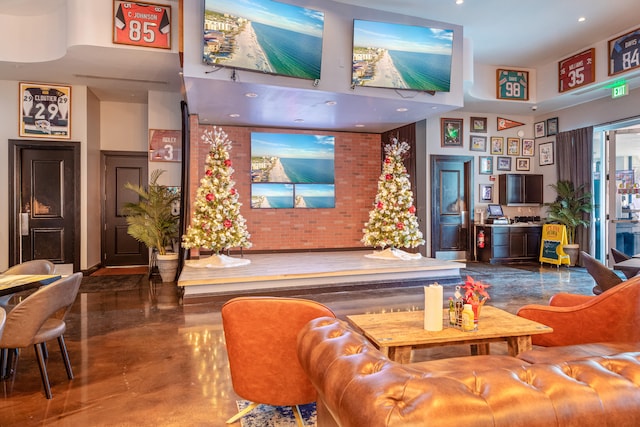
(142, 24)
(45, 111)
(577, 70)
(512, 84)
(624, 52)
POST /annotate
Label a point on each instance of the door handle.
(24, 224)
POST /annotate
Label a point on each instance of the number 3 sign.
(142, 24)
(512, 84)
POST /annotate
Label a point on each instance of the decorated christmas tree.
(393, 222)
(217, 223)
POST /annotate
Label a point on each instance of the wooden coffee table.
(397, 333)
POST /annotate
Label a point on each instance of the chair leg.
(298, 415)
(43, 370)
(242, 413)
(65, 357)
(7, 361)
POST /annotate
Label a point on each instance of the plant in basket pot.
(475, 293)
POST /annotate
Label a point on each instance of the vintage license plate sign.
(165, 145)
(624, 52)
(577, 71)
(45, 111)
(142, 24)
(512, 84)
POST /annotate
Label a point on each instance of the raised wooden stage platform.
(311, 270)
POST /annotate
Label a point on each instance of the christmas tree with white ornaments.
(392, 221)
(217, 223)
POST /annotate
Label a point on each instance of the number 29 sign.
(45, 111)
(512, 84)
(142, 24)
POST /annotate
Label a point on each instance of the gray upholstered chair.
(39, 318)
(604, 277)
(261, 337)
(36, 266)
(619, 256)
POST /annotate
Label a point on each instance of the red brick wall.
(357, 168)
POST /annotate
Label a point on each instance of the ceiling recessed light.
(459, 1)
(234, 115)
(402, 109)
(582, 19)
(359, 125)
(299, 120)
(331, 103)
(251, 95)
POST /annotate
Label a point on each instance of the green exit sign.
(618, 91)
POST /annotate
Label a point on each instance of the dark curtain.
(574, 150)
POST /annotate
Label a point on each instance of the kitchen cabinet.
(520, 189)
(504, 243)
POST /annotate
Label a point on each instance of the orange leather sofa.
(593, 385)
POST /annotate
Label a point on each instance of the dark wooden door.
(118, 248)
(451, 203)
(44, 202)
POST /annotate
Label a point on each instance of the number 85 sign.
(512, 84)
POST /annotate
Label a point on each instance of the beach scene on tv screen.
(401, 56)
(263, 35)
(299, 167)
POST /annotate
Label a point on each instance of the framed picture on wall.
(486, 192)
(539, 130)
(497, 145)
(504, 163)
(486, 165)
(552, 126)
(478, 143)
(528, 147)
(479, 124)
(546, 153)
(513, 146)
(523, 164)
(451, 132)
(45, 111)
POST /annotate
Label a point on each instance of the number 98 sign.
(512, 84)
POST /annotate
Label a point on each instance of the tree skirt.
(218, 261)
(393, 254)
(276, 416)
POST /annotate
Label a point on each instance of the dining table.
(12, 283)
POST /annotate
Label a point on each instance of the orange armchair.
(261, 337)
(611, 316)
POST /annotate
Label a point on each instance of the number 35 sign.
(577, 70)
(512, 84)
(142, 24)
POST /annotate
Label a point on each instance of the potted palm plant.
(568, 209)
(152, 221)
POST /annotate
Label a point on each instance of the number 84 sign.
(512, 84)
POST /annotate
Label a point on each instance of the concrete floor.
(140, 358)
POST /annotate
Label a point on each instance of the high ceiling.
(522, 33)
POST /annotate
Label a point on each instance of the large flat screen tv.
(263, 35)
(292, 170)
(401, 56)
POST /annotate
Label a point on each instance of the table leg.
(517, 345)
(400, 354)
(478, 349)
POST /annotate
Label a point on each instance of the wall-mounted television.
(401, 56)
(263, 35)
(292, 170)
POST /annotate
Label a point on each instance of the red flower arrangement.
(475, 292)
